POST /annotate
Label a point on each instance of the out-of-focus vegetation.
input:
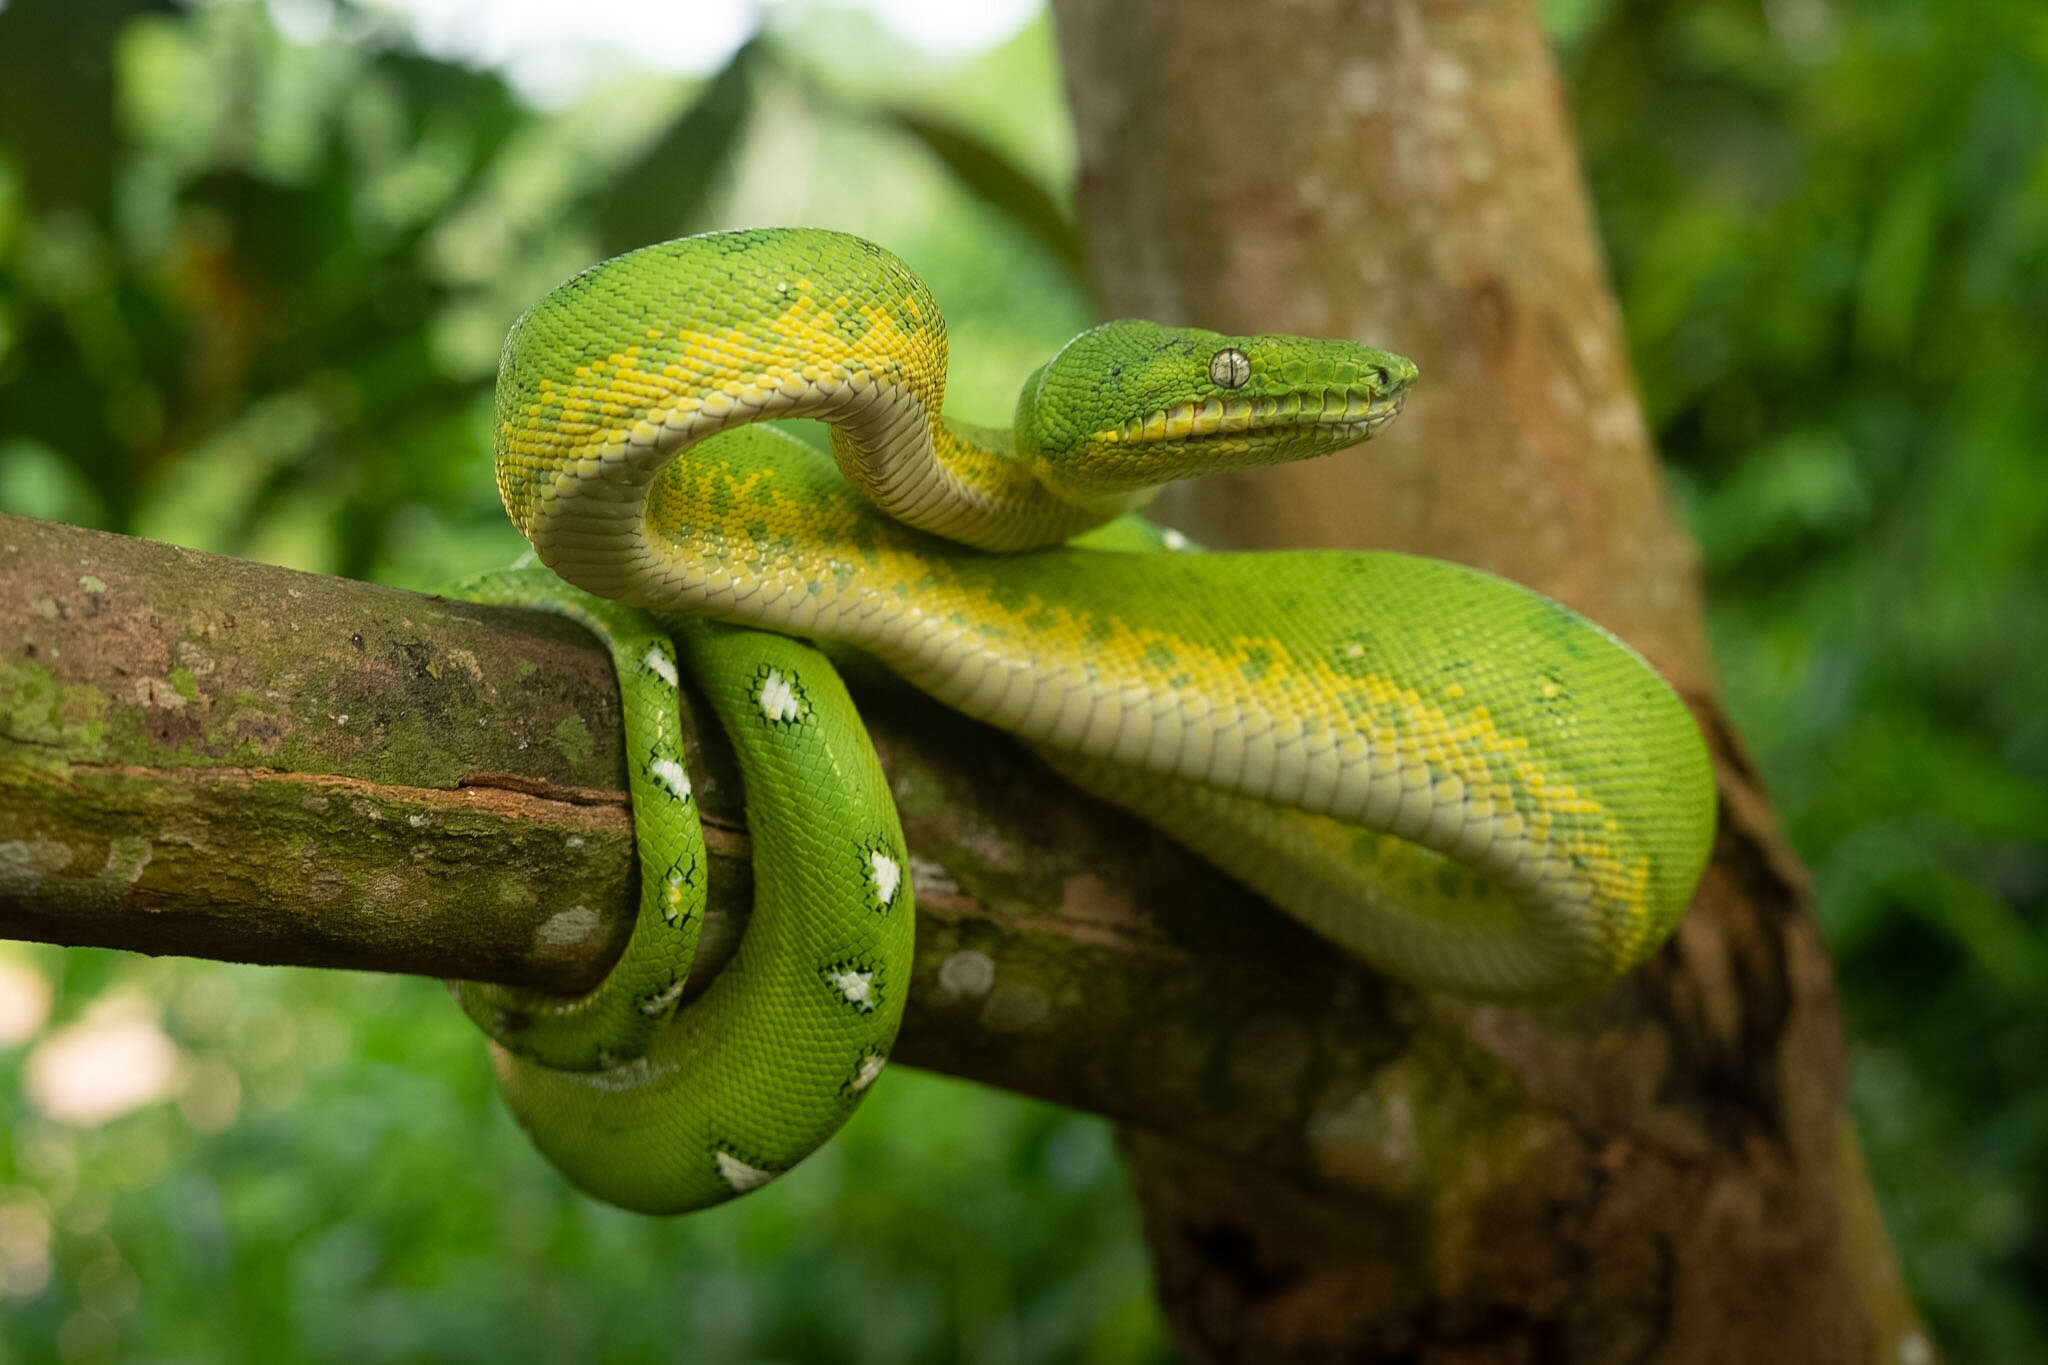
(1829, 227)
(251, 291)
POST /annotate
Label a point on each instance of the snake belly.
(1450, 776)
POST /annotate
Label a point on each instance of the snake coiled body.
(1455, 778)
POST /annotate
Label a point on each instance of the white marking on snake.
(857, 986)
(636, 1074)
(888, 875)
(870, 1067)
(655, 1004)
(663, 666)
(1172, 539)
(670, 775)
(778, 700)
(739, 1174)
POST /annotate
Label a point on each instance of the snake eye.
(1229, 368)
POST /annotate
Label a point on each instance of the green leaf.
(1895, 264)
(999, 182)
(657, 196)
(56, 95)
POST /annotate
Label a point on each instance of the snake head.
(1129, 405)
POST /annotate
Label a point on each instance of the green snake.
(1454, 778)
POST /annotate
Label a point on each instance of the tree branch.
(206, 756)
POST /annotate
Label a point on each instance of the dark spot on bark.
(1492, 311)
(170, 728)
(259, 728)
(1231, 1251)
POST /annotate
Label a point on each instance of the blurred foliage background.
(255, 263)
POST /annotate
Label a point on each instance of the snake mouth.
(1331, 418)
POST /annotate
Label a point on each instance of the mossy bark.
(1661, 1175)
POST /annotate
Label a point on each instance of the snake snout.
(1394, 373)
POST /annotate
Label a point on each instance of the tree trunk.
(1665, 1174)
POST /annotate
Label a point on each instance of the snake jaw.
(1216, 434)
(1335, 413)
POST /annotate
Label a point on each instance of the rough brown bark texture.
(1662, 1175)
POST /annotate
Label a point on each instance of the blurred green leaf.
(998, 182)
(1806, 483)
(56, 103)
(662, 194)
(1896, 263)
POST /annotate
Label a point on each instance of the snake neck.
(951, 480)
(634, 363)
(957, 480)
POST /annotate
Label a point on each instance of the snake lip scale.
(1209, 419)
(1189, 424)
(1452, 777)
